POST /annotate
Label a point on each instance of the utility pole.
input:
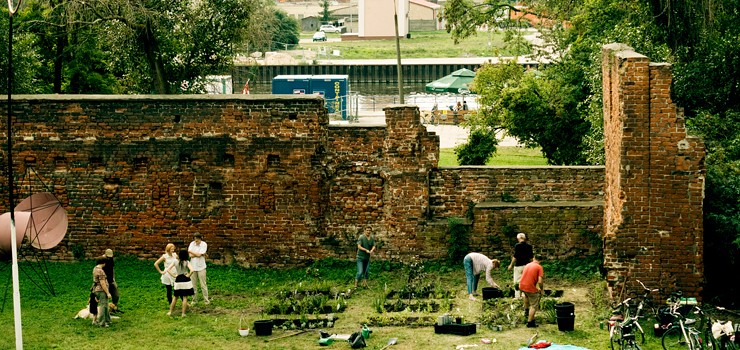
(11, 199)
(398, 54)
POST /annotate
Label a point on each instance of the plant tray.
(455, 328)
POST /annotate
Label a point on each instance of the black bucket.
(263, 327)
(565, 309)
(566, 323)
(492, 292)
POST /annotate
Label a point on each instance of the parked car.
(319, 36)
(329, 28)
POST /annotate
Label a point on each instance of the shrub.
(458, 238)
(480, 147)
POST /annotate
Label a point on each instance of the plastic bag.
(356, 340)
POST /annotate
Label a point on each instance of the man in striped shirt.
(475, 264)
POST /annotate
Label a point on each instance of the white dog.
(85, 313)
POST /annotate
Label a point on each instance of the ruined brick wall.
(457, 188)
(559, 208)
(654, 179)
(270, 182)
(136, 172)
(557, 230)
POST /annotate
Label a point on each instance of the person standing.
(522, 256)
(531, 285)
(197, 250)
(112, 285)
(365, 248)
(168, 277)
(475, 264)
(183, 284)
(102, 293)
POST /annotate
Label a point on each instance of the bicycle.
(624, 334)
(722, 333)
(684, 335)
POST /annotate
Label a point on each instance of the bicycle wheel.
(639, 333)
(673, 340)
(615, 339)
(631, 345)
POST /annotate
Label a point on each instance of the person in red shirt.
(531, 285)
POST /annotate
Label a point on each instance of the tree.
(325, 14)
(26, 65)
(285, 31)
(166, 46)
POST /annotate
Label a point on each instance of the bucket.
(242, 331)
(491, 292)
(565, 309)
(263, 327)
(566, 323)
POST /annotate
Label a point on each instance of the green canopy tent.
(456, 82)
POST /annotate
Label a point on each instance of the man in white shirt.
(197, 250)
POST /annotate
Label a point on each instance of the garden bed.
(400, 321)
(307, 302)
(303, 323)
(431, 306)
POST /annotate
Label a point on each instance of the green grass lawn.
(504, 156)
(240, 293)
(432, 44)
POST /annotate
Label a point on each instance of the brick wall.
(269, 182)
(654, 179)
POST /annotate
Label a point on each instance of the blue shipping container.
(291, 84)
(334, 89)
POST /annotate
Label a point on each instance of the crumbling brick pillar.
(654, 180)
(410, 153)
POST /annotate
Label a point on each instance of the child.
(93, 306)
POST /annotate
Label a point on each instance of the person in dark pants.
(365, 248)
(522, 256)
(112, 285)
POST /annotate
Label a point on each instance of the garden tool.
(390, 342)
(366, 331)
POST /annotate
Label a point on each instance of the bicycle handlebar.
(624, 302)
(647, 290)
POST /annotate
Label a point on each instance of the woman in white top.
(168, 277)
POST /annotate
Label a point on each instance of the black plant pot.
(491, 293)
(263, 327)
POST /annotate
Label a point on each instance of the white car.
(319, 36)
(329, 28)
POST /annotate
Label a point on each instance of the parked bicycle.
(684, 332)
(625, 329)
(722, 332)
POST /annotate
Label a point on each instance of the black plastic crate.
(455, 328)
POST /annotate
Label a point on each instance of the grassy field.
(503, 156)
(434, 44)
(238, 293)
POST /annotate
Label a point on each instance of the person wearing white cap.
(522, 256)
(197, 250)
(112, 285)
